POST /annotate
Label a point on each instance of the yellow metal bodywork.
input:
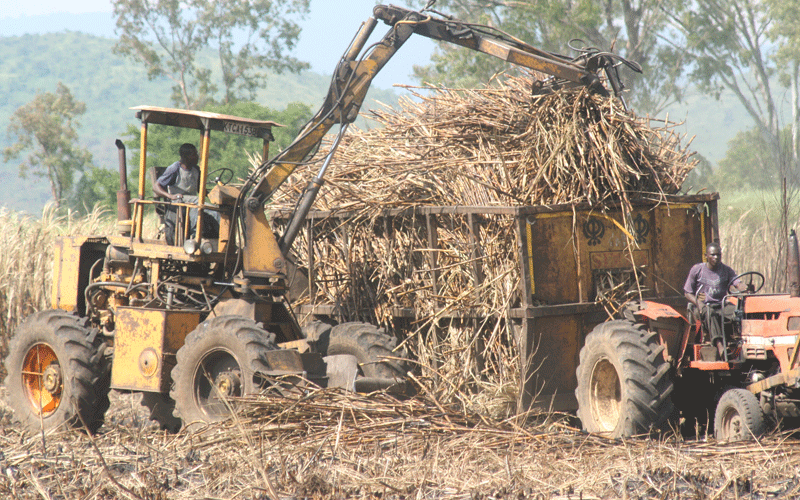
(262, 256)
(145, 344)
(73, 257)
(225, 196)
(66, 260)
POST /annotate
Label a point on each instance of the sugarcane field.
(427, 228)
(528, 275)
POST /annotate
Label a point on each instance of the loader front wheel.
(162, 409)
(739, 417)
(623, 381)
(375, 350)
(57, 373)
(217, 362)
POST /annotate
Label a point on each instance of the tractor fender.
(655, 311)
(669, 324)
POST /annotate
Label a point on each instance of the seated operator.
(181, 182)
(706, 286)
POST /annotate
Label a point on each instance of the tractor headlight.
(206, 247)
(190, 247)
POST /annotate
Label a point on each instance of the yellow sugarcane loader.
(196, 322)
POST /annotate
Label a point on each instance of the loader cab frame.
(220, 198)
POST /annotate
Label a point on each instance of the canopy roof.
(202, 120)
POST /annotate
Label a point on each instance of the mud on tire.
(624, 382)
(218, 360)
(57, 372)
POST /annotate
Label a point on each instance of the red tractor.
(638, 373)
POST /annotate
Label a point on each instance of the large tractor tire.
(57, 373)
(739, 417)
(217, 361)
(624, 381)
(162, 410)
(374, 349)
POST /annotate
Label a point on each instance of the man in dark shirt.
(706, 286)
(182, 178)
(180, 182)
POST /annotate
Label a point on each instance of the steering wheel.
(750, 287)
(221, 173)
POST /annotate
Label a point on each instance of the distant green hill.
(109, 85)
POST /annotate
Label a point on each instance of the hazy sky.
(11, 8)
(326, 31)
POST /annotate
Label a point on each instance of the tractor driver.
(706, 286)
(181, 182)
(182, 178)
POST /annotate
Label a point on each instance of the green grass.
(755, 207)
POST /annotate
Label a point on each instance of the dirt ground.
(334, 445)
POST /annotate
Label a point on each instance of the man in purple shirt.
(706, 286)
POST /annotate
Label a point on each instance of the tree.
(98, 187)
(701, 177)
(637, 30)
(170, 37)
(785, 32)
(45, 127)
(741, 46)
(748, 152)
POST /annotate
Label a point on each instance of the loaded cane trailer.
(570, 260)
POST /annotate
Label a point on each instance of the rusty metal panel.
(145, 343)
(66, 273)
(571, 256)
(573, 253)
(681, 236)
(549, 353)
(552, 258)
(611, 251)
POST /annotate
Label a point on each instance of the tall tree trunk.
(795, 89)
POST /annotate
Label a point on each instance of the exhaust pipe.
(123, 195)
(793, 266)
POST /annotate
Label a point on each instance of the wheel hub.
(42, 381)
(732, 426)
(51, 379)
(228, 384)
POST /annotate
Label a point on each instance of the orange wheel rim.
(41, 379)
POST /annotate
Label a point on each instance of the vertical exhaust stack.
(793, 266)
(123, 195)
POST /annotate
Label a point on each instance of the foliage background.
(110, 85)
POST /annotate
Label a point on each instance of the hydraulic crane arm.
(353, 77)
(351, 80)
(495, 43)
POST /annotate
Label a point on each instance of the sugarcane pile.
(497, 146)
(501, 146)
